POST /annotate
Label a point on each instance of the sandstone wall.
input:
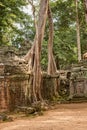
(12, 91)
(16, 90)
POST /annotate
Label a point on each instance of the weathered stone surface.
(13, 79)
(15, 85)
(78, 82)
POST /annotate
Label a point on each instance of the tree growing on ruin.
(34, 55)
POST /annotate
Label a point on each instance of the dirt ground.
(64, 117)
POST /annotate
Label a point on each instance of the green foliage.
(65, 33)
(14, 22)
(16, 26)
(65, 38)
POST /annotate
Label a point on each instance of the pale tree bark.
(78, 32)
(35, 52)
(85, 8)
(52, 69)
(34, 55)
(39, 39)
(51, 62)
(29, 57)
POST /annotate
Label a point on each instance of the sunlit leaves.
(11, 15)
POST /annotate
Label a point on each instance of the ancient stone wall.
(13, 79)
(4, 93)
(78, 82)
(14, 90)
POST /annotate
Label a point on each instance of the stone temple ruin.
(74, 81)
(14, 81)
(78, 83)
(12, 78)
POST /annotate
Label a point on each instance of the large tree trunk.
(34, 55)
(51, 62)
(78, 33)
(52, 69)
